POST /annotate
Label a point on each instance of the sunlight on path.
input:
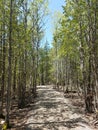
(54, 112)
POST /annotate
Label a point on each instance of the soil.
(53, 110)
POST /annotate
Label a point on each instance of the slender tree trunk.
(9, 67)
(14, 77)
(25, 51)
(3, 76)
(3, 64)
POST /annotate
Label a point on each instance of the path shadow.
(71, 123)
(49, 104)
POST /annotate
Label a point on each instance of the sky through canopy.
(54, 6)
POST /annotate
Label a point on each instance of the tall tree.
(9, 65)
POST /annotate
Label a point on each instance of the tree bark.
(9, 66)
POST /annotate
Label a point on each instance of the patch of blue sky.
(54, 6)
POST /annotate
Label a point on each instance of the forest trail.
(52, 111)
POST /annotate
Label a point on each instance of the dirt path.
(54, 112)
